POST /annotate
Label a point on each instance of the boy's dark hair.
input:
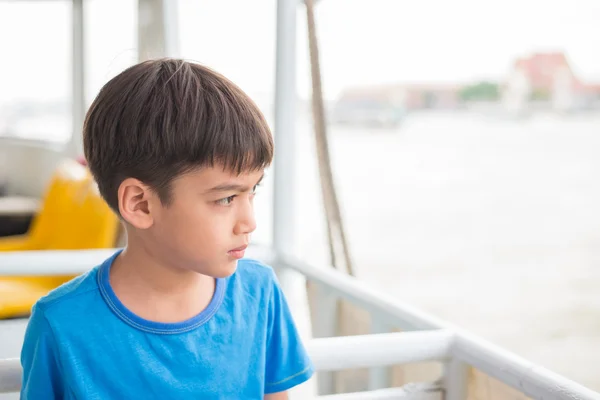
(162, 118)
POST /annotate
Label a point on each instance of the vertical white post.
(171, 27)
(455, 380)
(158, 33)
(325, 320)
(75, 147)
(379, 377)
(284, 129)
(284, 132)
(284, 224)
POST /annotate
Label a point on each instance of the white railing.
(334, 354)
(432, 339)
(466, 349)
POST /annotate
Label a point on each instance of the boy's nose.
(246, 223)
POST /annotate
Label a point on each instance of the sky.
(361, 42)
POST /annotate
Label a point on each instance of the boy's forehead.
(213, 176)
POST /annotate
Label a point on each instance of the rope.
(349, 320)
(335, 227)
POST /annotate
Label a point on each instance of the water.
(491, 224)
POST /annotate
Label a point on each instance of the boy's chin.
(224, 270)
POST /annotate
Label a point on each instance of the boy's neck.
(156, 292)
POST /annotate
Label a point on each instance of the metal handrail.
(524, 376)
(328, 354)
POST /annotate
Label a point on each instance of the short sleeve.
(287, 362)
(41, 372)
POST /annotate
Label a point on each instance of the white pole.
(284, 129)
(456, 376)
(379, 377)
(75, 147)
(171, 26)
(384, 349)
(158, 32)
(284, 223)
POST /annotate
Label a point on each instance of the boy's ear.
(136, 202)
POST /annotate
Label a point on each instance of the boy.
(177, 151)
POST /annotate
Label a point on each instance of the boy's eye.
(226, 201)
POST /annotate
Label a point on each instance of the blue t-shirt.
(83, 343)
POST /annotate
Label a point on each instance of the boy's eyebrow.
(233, 187)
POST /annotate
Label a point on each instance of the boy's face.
(208, 223)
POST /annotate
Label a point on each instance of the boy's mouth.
(238, 252)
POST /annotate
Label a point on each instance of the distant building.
(372, 106)
(432, 96)
(546, 80)
(387, 104)
(539, 81)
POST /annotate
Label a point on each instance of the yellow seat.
(73, 216)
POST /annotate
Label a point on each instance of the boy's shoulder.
(255, 268)
(254, 275)
(83, 292)
(71, 292)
